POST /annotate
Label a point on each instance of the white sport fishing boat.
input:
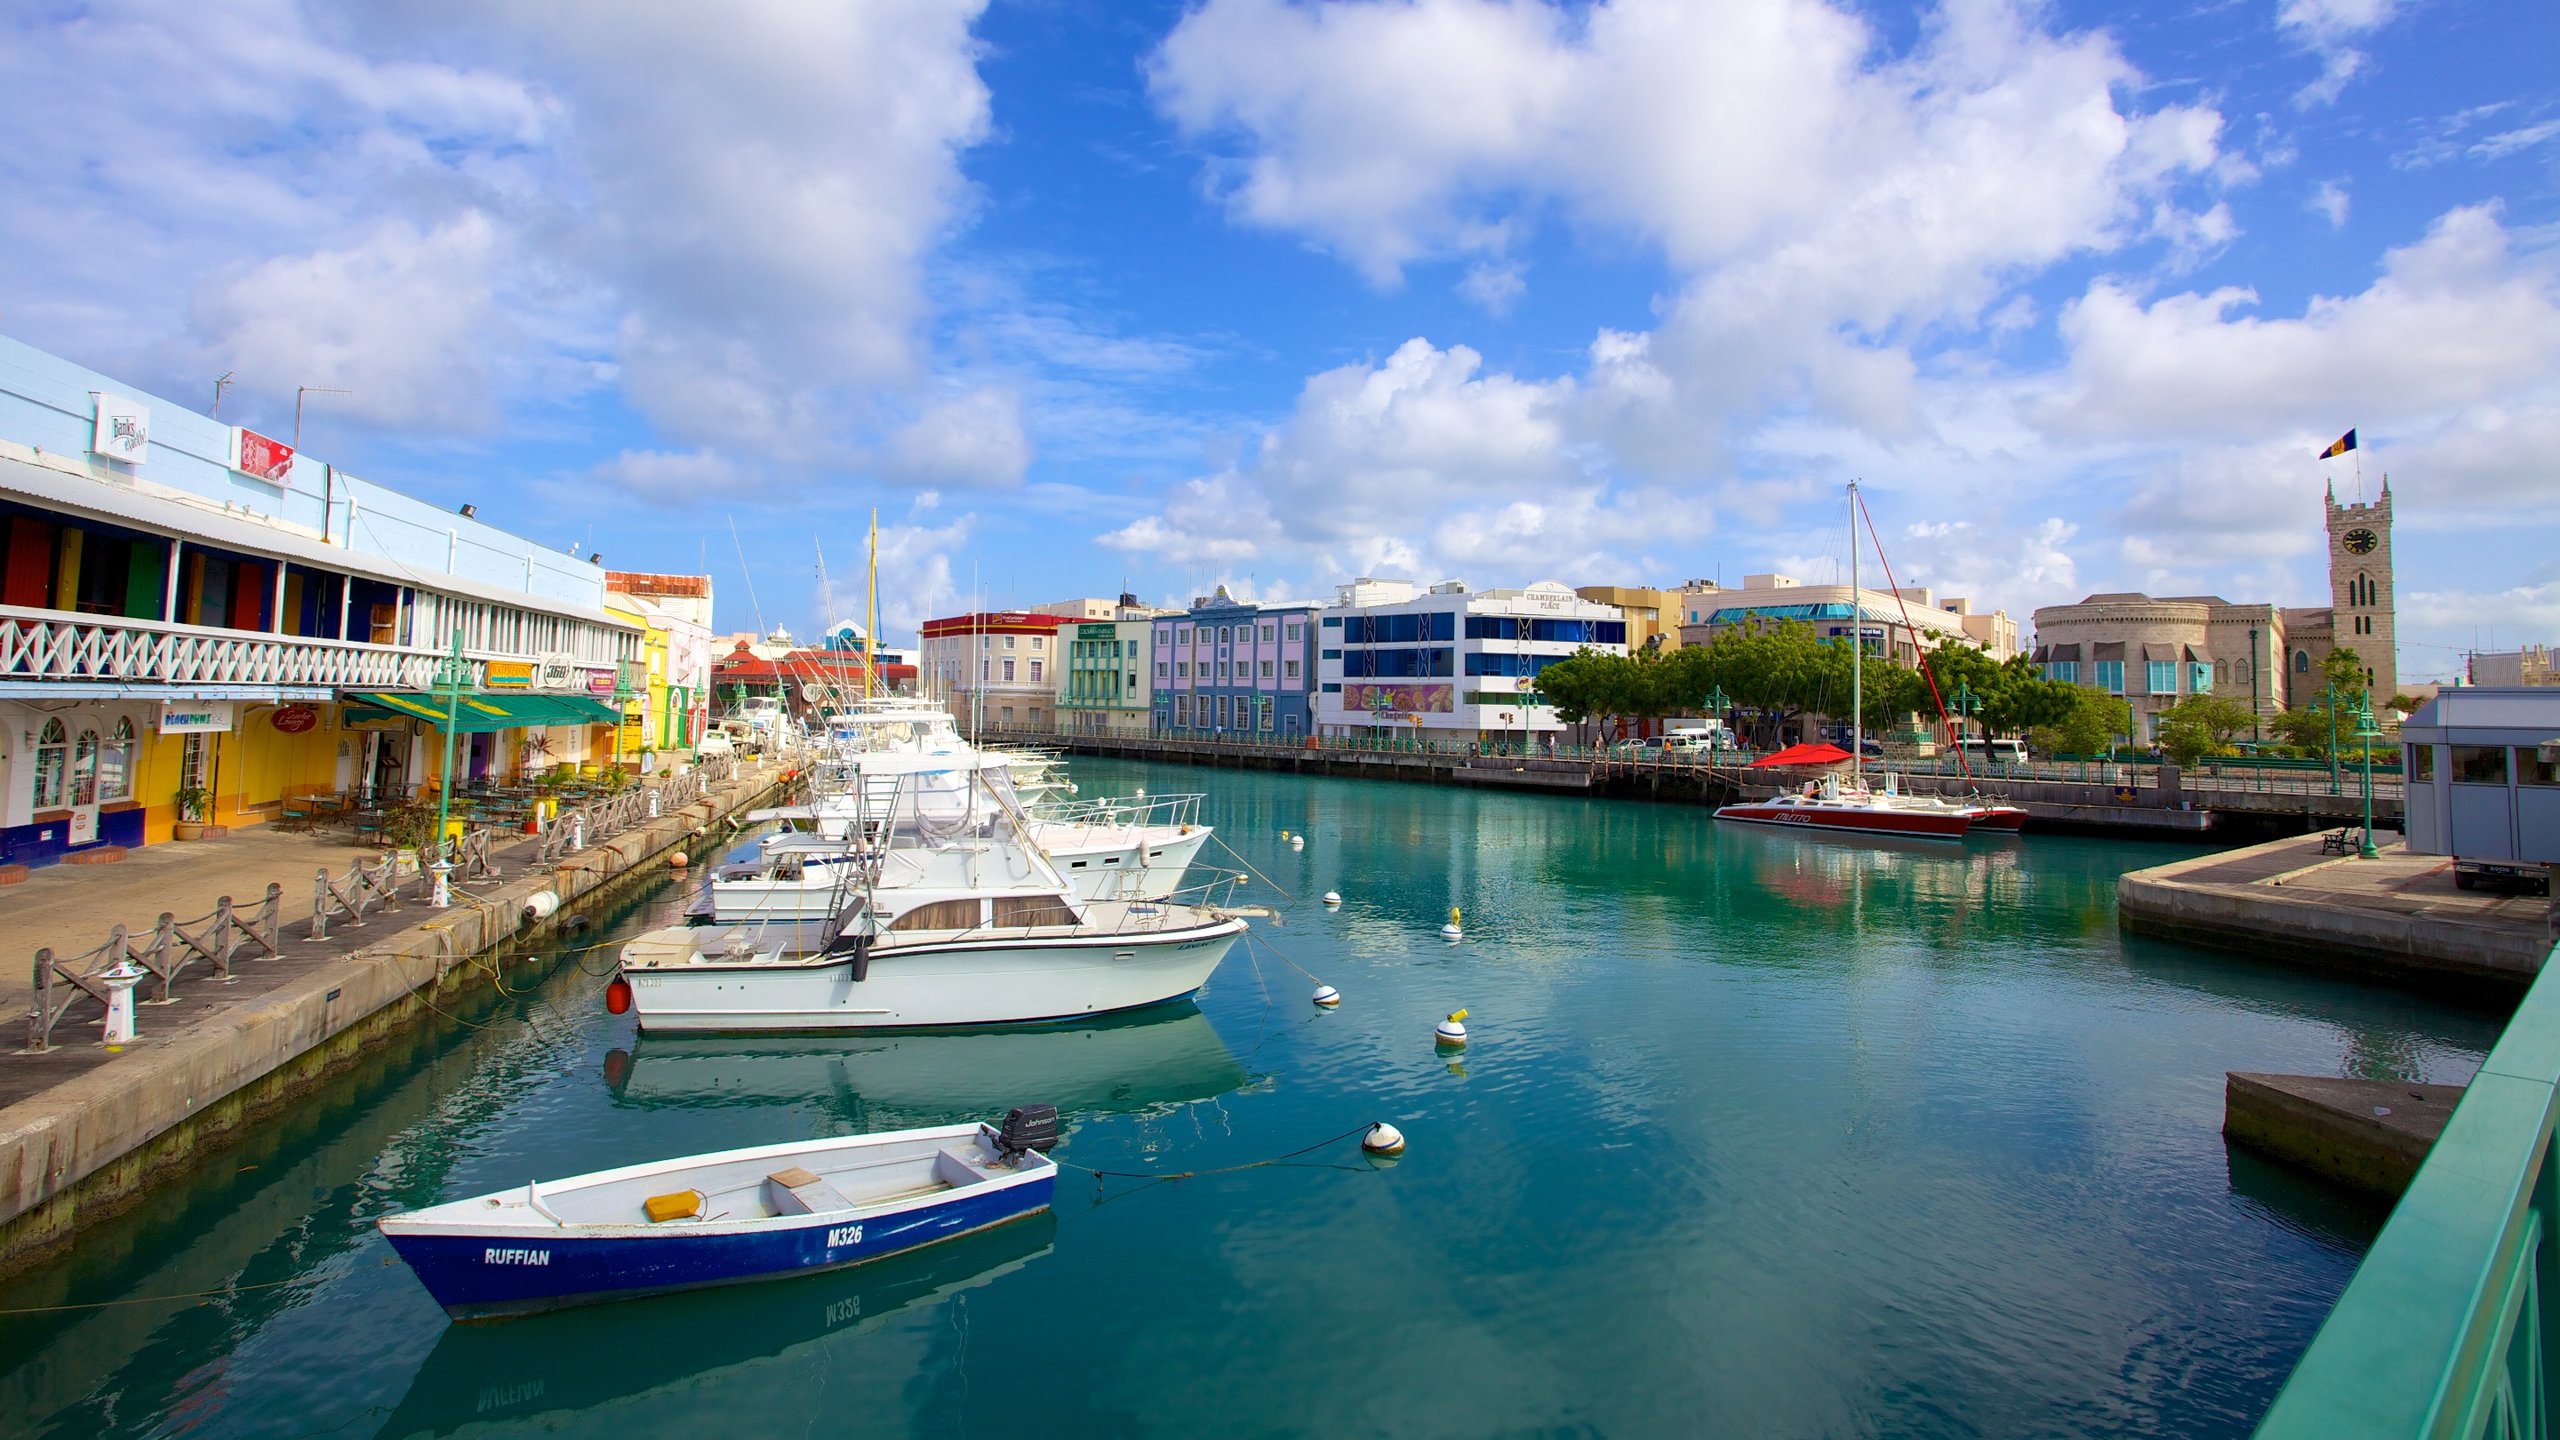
(951, 916)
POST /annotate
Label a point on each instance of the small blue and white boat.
(721, 1219)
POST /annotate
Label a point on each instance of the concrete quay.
(86, 1129)
(2370, 1135)
(2398, 916)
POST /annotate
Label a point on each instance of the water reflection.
(1139, 1064)
(746, 1345)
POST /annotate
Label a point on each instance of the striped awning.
(483, 714)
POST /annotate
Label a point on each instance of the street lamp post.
(1965, 704)
(2367, 732)
(453, 675)
(2329, 702)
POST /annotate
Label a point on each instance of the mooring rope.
(1360, 1129)
(1248, 865)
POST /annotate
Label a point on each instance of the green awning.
(484, 714)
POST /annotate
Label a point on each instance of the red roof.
(801, 665)
(1803, 755)
(998, 622)
(642, 582)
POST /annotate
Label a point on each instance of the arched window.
(84, 769)
(2301, 662)
(53, 760)
(115, 763)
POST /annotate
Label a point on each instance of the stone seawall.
(92, 1144)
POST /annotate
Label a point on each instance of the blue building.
(1229, 667)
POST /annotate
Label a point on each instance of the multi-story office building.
(1450, 662)
(1653, 616)
(1900, 623)
(1229, 667)
(994, 669)
(189, 608)
(1103, 687)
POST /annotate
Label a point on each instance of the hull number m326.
(844, 1235)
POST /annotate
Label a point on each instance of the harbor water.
(1757, 1134)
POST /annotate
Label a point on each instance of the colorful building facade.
(1450, 662)
(1227, 667)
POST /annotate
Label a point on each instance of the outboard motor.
(1027, 1127)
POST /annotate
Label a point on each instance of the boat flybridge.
(1115, 849)
(947, 913)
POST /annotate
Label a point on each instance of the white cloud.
(970, 439)
(678, 477)
(2325, 27)
(2330, 203)
(917, 573)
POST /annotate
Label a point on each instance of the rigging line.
(1248, 865)
(225, 1291)
(1358, 1129)
(1283, 959)
(1925, 673)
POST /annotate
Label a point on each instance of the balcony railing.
(2449, 1326)
(49, 645)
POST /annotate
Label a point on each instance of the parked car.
(715, 742)
(2515, 877)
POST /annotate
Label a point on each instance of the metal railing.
(2448, 1328)
(55, 646)
(216, 939)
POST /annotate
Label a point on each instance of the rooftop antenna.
(221, 383)
(298, 392)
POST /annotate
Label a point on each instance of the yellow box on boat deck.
(682, 1205)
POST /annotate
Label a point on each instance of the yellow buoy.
(1451, 1032)
(1451, 931)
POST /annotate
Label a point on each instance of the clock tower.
(2360, 588)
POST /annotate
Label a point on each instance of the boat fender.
(1451, 1032)
(1383, 1139)
(617, 996)
(1027, 1127)
(571, 925)
(678, 861)
(861, 958)
(1327, 996)
(540, 905)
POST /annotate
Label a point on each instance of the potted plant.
(195, 808)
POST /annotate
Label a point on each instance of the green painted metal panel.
(2444, 1329)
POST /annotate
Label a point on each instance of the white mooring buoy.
(1451, 1033)
(1297, 842)
(1383, 1139)
(1451, 931)
(1333, 899)
(1327, 996)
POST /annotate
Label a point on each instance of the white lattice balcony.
(50, 645)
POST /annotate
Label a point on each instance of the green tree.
(2344, 669)
(2090, 727)
(2201, 725)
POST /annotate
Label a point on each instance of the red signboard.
(294, 719)
(268, 460)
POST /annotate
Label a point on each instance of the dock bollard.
(120, 982)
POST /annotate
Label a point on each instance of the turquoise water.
(1759, 1135)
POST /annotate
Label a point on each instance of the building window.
(2200, 677)
(1226, 633)
(1038, 640)
(1290, 669)
(1330, 688)
(115, 764)
(1182, 711)
(1035, 672)
(1182, 668)
(1297, 631)
(1132, 687)
(1163, 669)
(2422, 764)
(2111, 676)
(2160, 677)
(1269, 632)
(1008, 642)
(1008, 670)
(2066, 671)
(2480, 764)
(84, 769)
(2301, 662)
(1133, 651)
(53, 763)
(1266, 674)
(1225, 711)
(1329, 655)
(2532, 769)
(1332, 622)
(1006, 715)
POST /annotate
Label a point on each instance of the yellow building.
(1653, 616)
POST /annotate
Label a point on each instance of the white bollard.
(577, 833)
(120, 983)
(442, 899)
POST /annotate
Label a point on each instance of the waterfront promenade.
(86, 1127)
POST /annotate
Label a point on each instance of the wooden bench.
(2342, 841)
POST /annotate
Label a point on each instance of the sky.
(1083, 296)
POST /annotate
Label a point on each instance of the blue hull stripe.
(475, 1277)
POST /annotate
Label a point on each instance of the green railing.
(2448, 1328)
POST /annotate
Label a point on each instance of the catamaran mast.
(1857, 650)
(871, 616)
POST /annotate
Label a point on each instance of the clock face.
(2362, 541)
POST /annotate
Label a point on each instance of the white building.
(1450, 662)
(2483, 771)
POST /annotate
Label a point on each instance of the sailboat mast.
(871, 616)
(1857, 650)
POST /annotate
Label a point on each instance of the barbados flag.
(2341, 446)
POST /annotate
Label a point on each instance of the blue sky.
(1078, 294)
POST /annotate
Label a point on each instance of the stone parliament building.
(2157, 651)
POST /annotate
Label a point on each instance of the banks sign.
(123, 429)
(195, 717)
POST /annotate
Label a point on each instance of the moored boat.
(726, 1217)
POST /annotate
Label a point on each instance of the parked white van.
(2004, 751)
(1692, 738)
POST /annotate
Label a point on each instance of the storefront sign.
(295, 719)
(260, 458)
(124, 429)
(559, 672)
(195, 717)
(509, 675)
(1397, 701)
(600, 682)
